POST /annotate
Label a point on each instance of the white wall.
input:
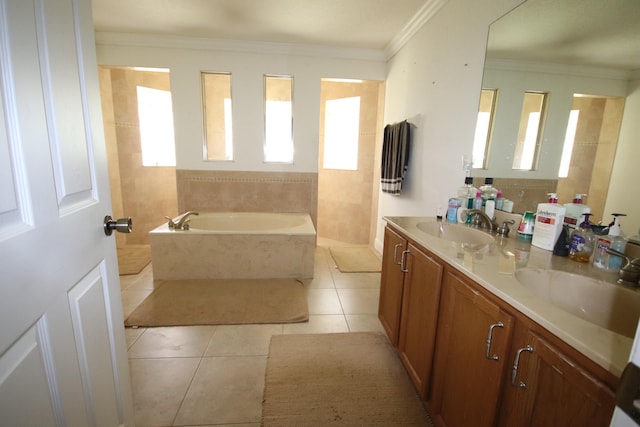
(186, 58)
(434, 81)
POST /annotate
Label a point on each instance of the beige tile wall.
(146, 194)
(525, 193)
(347, 200)
(237, 191)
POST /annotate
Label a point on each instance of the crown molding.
(555, 68)
(426, 12)
(180, 42)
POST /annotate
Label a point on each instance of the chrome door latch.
(121, 225)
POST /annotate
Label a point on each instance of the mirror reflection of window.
(530, 131)
(481, 140)
(569, 139)
(218, 129)
(278, 119)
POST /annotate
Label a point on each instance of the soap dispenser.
(582, 241)
(614, 240)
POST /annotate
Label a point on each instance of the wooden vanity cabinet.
(459, 344)
(391, 284)
(547, 387)
(419, 315)
(471, 356)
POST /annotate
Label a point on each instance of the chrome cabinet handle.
(516, 362)
(395, 253)
(488, 354)
(402, 266)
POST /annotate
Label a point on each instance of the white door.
(63, 357)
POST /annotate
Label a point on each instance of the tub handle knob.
(121, 225)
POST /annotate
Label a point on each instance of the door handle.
(488, 354)
(121, 225)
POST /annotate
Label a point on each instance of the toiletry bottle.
(614, 240)
(488, 191)
(499, 201)
(526, 227)
(582, 241)
(452, 210)
(549, 222)
(477, 202)
(467, 192)
(575, 211)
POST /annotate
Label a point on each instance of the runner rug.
(349, 379)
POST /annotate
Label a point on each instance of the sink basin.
(468, 237)
(610, 306)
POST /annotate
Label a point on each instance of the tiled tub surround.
(238, 245)
(493, 268)
(245, 191)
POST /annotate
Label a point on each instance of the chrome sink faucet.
(490, 225)
(180, 222)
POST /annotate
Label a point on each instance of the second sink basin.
(610, 306)
(468, 237)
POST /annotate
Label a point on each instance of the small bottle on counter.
(477, 202)
(582, 241)
(452, 210)
(499, 201)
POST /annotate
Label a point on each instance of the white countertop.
(493, 268)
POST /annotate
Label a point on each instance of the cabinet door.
(472, 348)
(391, 284)
(420, 301)
(548, 389)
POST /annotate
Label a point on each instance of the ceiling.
(585, 32)
(366, 24)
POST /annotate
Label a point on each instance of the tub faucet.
(180, 222)
(489, 224)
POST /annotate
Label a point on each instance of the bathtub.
(235, 245)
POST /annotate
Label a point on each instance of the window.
(530, 131)
(155, 117)
(218, 128)
(569, 139)
(483, 127)
(341, 133)
(278, 119)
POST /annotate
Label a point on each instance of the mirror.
(570, 49)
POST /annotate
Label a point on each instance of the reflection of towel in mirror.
(395, 156)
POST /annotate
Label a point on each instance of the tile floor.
(214, 375)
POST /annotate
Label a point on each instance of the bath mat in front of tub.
(222, 302)
(133, 258)
(356, 259)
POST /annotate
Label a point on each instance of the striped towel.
(395, 156)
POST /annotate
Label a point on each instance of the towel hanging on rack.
(395, 156)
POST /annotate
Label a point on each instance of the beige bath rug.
(349, 379)
(222, 302)
(132, 259)
(356, 259)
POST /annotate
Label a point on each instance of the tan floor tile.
(364, 323)
(225, 390)
(158, 387)
(176, 341)
(323, 301)
(356, 280)
(319, 324)
(359, 301)
(132, 335)
(242, 340)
